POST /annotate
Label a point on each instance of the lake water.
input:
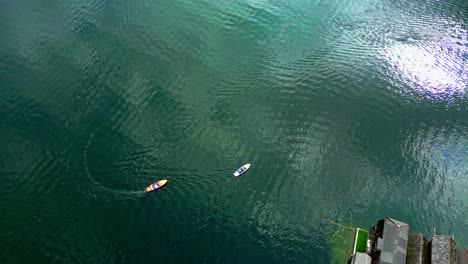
(349, 111)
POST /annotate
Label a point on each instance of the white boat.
(242, 170)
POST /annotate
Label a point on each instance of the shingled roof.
(462, 256)
(392, 242)
(443, 250)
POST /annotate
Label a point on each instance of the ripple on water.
(438, 164)
(81, 240)
(426, 57)
(40, 166)
(189, 91)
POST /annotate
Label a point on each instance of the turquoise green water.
(349, 111)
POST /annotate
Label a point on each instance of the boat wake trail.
(98, 189)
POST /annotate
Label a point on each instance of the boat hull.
(242, 170)
(156, 185)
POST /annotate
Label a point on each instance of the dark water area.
(349, 111)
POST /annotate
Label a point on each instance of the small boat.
(242, 170)
(156, 185)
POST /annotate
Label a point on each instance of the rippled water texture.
(348, 110)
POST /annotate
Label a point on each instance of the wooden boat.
(156, 185)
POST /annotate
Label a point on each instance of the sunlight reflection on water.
(438, 69)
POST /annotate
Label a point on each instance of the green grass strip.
(361, 243)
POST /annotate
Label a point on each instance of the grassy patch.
(361, 243)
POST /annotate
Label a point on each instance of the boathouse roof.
(393, 243)
(443, 250)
